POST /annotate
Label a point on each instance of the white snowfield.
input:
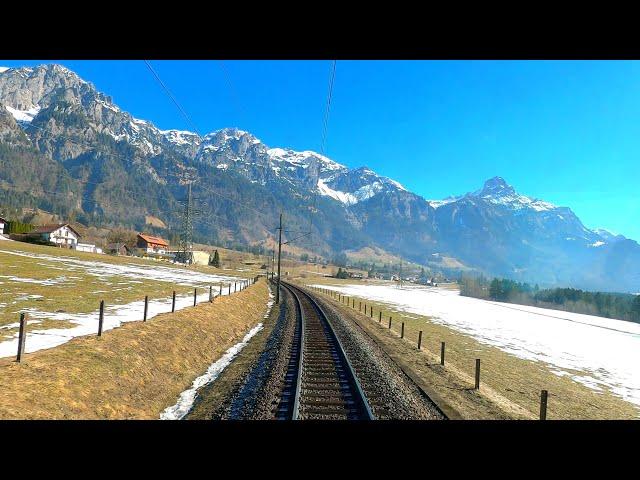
(605, 352)
(114, 315)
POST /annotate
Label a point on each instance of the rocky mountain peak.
(27, 88)
(496, 186)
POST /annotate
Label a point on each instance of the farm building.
(63, 235)
(200, 257)
(197, 257)
(3, 222)
(118, 249)
(87, 247)
(151, 244)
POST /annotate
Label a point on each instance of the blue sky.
(564, 131)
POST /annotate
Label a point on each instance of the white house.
(3, 222)
(62, 235)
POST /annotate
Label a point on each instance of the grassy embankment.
(510, 382)
(132, 372)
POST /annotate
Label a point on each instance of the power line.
(173, 99)
(328, 110)
(325, 125)
(186, 237)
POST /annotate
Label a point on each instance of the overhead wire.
(173, 99)
(325, 126)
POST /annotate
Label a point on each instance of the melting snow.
(396, 184)
(108, 106)
(178, 275)
(346, 198)
(606, 351)
(439, 203)
(25, 116)
(87, 323)
(179, 137)
(187, 398)
(301, 159)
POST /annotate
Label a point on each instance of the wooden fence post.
(210, 293)
(146, 307)
(229, 289)
(402, 331)
(442, 354)
(101, 318)
(543, 404)
(419, 339)
(194, 296)
(477, 386)
(371, 311)
(220, 290)
(22, 336)
(173, 302)
(360, 307)
(389, 322)
(380, 317)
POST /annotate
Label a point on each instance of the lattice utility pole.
(186, 236)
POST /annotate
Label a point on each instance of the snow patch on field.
(185, 402)
(87, 323)
(48, 281)
(606, 352)
(115, 315)
(176, 275)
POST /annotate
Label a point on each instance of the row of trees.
(611, 305)
(18, 227)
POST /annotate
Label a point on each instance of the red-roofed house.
(152, 244)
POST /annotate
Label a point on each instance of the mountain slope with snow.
(109, 167)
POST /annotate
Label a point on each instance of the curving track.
(320, 383)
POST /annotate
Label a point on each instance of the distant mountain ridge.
(58, 134)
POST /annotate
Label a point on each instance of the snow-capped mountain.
(59, 134)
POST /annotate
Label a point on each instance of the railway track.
(320, 383)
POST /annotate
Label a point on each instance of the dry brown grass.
(132, 372)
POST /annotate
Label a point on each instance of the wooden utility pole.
(273, 260)
(279, 254)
